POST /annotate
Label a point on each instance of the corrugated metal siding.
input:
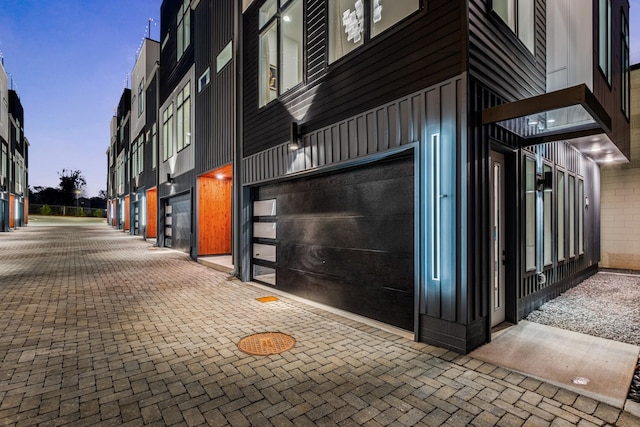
(214, 105)
(381, 129)
(172, 70)
(423, 50)
(499, 60)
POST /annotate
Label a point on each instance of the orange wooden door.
(126, 212)
(12, 211)
(152, 213)
(214, 212)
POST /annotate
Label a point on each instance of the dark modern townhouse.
(4, 149)
(176, 162)
(434, 165)
(120, 206)
(214, 121)
(18, 164)
(112, 152)
(144, 141)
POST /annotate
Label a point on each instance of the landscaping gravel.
(606, 305)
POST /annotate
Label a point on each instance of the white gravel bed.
(606, 305)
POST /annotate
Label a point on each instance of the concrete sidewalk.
(100, 328)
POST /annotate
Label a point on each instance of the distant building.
(4, 150)
(14, 159)
(143, 160)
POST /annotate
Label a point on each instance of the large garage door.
(178, 223)
(346, 239)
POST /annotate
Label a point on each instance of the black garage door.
(346, 239)
(178, 223)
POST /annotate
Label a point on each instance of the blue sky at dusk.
(69, 61)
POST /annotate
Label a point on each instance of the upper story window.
(204, 79)
(519, 15)
(625, 87)
(184, 117)
(141, 98)
(167, 133)
(604, 38)
(281, 48)
(353, 22)
(183, 28)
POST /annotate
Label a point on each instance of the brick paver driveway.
(100, 328)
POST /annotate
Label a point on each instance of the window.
(281, 48)
(183, 28)
(184, 117)
(625, 86)
(604, 38)
(561, 215)
(223, 58)
(264, 243)
(348, 27)
(204, 79)
(167, 132)
(548, 224)
(164, 41)
(141, 154)
(141, 98)
(519, 15)
(154, 146)
(572, 216)
(134, 159)
(530, 213)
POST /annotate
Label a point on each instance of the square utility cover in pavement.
(566, 359)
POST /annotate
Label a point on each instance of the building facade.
(434, 165)
(4, 149)
(431, 165)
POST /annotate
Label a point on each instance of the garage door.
(178, 223)
(346, 239)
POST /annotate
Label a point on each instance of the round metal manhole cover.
(266, 343)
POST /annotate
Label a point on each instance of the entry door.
(497, 240)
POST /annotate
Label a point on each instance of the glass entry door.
(497, 239)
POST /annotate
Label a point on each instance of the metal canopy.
(561, 115)
(572, 114)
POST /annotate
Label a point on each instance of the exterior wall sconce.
(169, 178)
(295, 134)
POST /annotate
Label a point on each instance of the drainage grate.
(266, 343)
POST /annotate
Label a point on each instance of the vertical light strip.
(435, 217)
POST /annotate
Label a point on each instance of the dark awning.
(572, 114)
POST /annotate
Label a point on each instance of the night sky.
(69, 60)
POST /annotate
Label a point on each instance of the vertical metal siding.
(499, 60)
(425, 49)
(215, 104)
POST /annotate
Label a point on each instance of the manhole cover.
(266, 343)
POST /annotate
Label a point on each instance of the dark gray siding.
(214, 106)
(499, 60)
(427, 48)
(172, 70)
(150, 174)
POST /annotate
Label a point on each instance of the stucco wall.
(620, 184)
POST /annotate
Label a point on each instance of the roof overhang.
(573, 114)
